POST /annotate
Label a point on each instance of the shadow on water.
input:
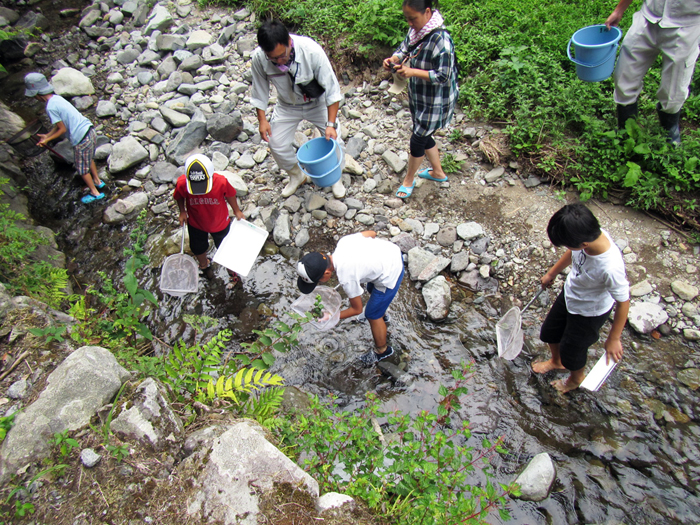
(625, 454)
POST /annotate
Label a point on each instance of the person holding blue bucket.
(427, 58)
(307, 89)
(667, 27)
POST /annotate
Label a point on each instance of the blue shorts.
(379, 301)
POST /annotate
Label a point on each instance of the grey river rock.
(626, 454)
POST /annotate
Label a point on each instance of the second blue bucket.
(596, 50)
(321, 160)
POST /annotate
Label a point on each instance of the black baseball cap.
(311, 268)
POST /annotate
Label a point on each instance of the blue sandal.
(425, 174)
(102, 185)
(407, 190)
(92, 198)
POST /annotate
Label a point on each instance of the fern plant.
(252, 390)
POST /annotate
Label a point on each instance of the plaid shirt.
(432, 103)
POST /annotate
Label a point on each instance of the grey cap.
(37, 85)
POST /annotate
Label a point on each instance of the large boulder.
(126, 153)
(69, 82)
(10, 123)
(187, 140)
(85, 381)
(233, 471)
(148, 418)
(225, 128)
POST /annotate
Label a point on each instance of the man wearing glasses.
(307, 89)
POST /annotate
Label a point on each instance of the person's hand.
(389, 61)
(331, 133)
(239, 215)
(265, 131)
(42, 139)
(183, 217)
(405, 71)
(547, 280)
(613, 350)
(326, 317)
(614, 19)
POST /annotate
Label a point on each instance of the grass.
(515, 73)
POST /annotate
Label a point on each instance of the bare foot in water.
(542, 367)
(564, 385)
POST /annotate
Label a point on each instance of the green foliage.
(21, 508)
(6, 423)
(50, 333)
(63, 444)
(419, 474)
(190, 368)
(19, 268)
(450, 164)
(118, 452)
(279, 337)
(456, 135)
(240, 387)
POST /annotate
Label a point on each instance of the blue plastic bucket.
(596, 50)
(321, 160)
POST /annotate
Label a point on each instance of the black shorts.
(574, 333)
(199, 239)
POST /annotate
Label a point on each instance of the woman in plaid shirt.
(426, 58)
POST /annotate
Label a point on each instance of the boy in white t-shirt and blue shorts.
(597, 283)
(360, 259)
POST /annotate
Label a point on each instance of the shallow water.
(616, 462)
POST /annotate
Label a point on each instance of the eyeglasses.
(278, 57)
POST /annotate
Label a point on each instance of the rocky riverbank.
(162, 81)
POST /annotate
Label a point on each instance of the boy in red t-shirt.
(201, 196)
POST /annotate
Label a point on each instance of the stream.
(625, 454)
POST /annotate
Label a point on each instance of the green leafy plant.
(63, 444)
(50, 333)
(20, 269)
(6, 423)
(456, 135)
(450, 164)
(118, 452)
(21, 508)
(420, 473)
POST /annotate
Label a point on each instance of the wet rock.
(684, 290)
(125, 209)
(281, 233)
(472, 280)
(126, 153)
(470, 230)
(69, 82)
(401, 377)
(437, 297)
(89, 458)
(435, 266)
(537, 479)
(645, 317)
(62, 405)
(641, 289)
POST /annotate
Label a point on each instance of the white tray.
(598, 374)
(241, 247)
